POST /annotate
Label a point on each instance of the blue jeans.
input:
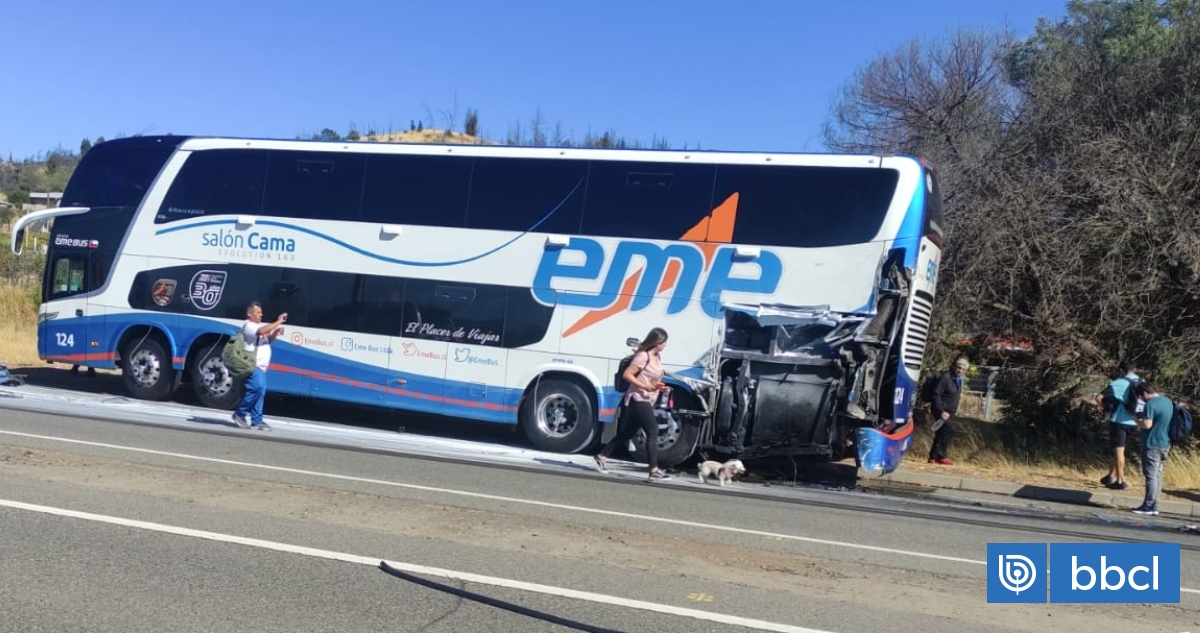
(1153, 460)
(252, 403)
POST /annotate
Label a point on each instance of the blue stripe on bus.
(300, 371)
(913, 225)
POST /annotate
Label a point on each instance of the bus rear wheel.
(557, 416)
(215, 386)
(147, 370)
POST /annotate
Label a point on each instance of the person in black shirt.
(944, 406)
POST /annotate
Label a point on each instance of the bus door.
(71, 328)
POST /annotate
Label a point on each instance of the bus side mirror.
(18, 241)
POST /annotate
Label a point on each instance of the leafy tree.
(1068, 162)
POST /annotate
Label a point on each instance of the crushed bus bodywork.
(799, 381)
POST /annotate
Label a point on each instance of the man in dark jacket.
(944, 405)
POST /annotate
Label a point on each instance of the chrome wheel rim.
(557, 415)
(146, 368)
(215, 377)
(669, 432)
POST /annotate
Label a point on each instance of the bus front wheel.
(558, 416)
(677, 438)
(215, 386)
(147, 370)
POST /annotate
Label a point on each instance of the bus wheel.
(677, 440)
(147, 370)
(558, 416)
(215, 386)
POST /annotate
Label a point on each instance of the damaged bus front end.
(808, 381)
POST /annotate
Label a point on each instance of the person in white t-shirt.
(257, 338)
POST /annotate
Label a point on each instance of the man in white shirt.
(257, 338)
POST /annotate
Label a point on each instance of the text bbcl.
(1134, 573)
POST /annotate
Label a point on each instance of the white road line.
(559, 592)
(532, 502)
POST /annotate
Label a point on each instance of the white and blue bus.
(504, 284)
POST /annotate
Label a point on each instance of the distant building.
(39, 200)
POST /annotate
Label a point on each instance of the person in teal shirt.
(1155, 422)
(1121, 424)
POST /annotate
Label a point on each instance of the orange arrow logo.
(709, 233)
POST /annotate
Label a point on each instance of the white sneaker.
(241, 421)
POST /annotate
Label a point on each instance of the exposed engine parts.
(797, 380)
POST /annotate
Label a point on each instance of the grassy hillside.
(429, 136)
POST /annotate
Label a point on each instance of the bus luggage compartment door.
(792, 407)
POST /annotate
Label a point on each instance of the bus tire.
(147, 370)
(558, 416)
(677, 438)
(723, 422)
(215, 387)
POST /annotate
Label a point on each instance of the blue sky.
(745, 75)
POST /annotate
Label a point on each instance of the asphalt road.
(110, 526)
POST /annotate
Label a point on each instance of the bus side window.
(100, 268)
(215, 182)
(420, 190)
(470, 315)
(314, 185)
(807, 207)
(527, 194)
(628, 200)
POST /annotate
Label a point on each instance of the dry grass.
(428, 136)
(18, 325)
(979, 450)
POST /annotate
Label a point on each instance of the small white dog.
(723, 472)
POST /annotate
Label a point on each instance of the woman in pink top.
(644, 376)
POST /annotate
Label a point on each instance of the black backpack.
(619, 381)
(1180, 430)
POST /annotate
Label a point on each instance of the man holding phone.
(257, 338)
